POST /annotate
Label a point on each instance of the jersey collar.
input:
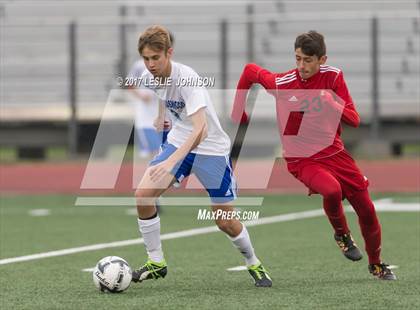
(310, 80)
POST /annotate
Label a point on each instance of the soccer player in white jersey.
(196, 144)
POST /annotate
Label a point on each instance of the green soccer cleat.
(150, 270)
(260, 275)
(382, 271)
(348, 246)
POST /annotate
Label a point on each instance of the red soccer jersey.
(328, 78)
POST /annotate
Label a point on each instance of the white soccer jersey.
(183, 101)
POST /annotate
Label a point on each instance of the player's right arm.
(160, 122)
(251, 74)
(141, 94)
(350, 115)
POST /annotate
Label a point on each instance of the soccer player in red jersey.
(331, 171)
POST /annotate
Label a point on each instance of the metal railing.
(247, 29)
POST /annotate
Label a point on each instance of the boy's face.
(308, 65)
(157, 62)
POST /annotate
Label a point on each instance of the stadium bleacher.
(34, 44)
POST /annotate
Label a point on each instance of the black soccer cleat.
(150, 270)
(348, 246)
(382, 271)
(260, 276)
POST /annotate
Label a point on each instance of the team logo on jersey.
(175, 107)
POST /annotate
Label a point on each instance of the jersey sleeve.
(350, 115)
(251, 74)
(255, 74)
(195, 97)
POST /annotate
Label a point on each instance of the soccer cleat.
(382, 271)
(260, 275)
(150, 270)
(348, 246)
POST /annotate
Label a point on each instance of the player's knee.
(333, 193)
(224, 225)
(144, 197)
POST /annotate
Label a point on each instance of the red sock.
(326, 184)
(369, 224)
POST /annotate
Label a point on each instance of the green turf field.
(307, 268)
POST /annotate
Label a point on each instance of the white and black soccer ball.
(112, 274)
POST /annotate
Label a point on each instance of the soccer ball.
(112, 274)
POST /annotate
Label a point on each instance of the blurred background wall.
(60, 59)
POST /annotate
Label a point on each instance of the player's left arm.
(198, 134)
(350, 115)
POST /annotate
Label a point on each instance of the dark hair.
(157, 38)
(311, 43)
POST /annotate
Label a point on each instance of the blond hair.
(156, 37)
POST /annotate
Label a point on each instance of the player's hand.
(167, 125)
(158, 124)
(158, 172)
(161, 124)
(331, 99)
(327, 95)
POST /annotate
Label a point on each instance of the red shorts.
(341, 165)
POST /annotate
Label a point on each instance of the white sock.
(243, 243)
(150, 230)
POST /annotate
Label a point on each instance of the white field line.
(39, 212)
(88, 269)
(237, 268)
(196, 231)
(242, 268)
(168, 236)
(398, 207)
(387, 205)
(164, 201)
